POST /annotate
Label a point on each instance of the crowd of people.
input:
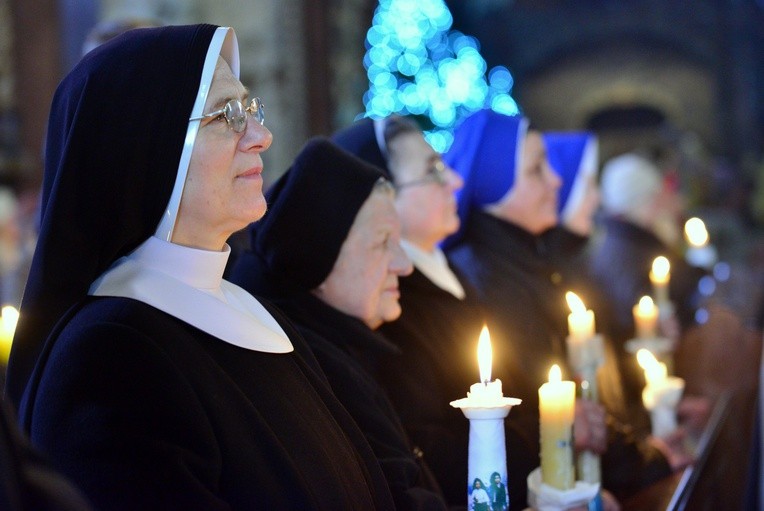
(318, 373)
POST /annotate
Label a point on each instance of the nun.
(509, 201)
(328, 254)
(147, 379)
(441, 319)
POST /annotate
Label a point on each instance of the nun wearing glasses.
(143, 375)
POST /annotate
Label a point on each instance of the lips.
(254, 171)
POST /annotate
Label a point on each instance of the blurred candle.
(699, 252)
(655, 372)
(556, 408)
(645, 317)
(8, 319)
(659, 276)
(580, 319)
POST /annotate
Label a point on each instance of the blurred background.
(682, 80)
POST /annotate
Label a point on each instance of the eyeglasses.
(235, 114)
(436, 174)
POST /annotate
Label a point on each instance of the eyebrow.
(219, 104)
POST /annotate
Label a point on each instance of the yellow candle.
(8, 319)
(659, 276)
(580, 319)
(645, 317)
(556, 409)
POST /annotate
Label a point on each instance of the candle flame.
(646, 305)
(695, 232)
(661, 267)
(555, 374)
(575, 303)
(646, 359)
(485, 355)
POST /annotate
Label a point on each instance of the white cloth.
(629, 184)
(435, 267)
(187, 283)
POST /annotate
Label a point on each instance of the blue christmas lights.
(417, 66)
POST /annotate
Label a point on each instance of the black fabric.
(360, 139)
(347, 351)
(437, 336)
(311, 209)
(28, 483)
(523, 294)
(144, 411)
(115, 135)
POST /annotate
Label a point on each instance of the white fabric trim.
(224, 44)
(187, 283)
(435, 267)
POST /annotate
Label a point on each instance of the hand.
(589, 429)
(673, 449)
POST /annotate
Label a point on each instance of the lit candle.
(486, 407)
(580, 319)
(659, 276)
(645, 317)
(8, 319)
(556, 409)
(661, 393)
(699, 252)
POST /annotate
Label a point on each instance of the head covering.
(486, 153)
(629, 182)
(573, 156)
(119, 141)
(366, 140)
(310, 211)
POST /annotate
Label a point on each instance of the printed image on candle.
(491, 496)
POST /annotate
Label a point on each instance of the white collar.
(435, 267)
(187, 283)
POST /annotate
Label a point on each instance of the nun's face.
(224, 187)
(532, 202)
(364, 280)
(427, 208)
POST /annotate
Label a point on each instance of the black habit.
(137, 407)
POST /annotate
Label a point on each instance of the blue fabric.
(485, 155)
(565, 150)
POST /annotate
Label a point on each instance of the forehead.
(225, 85)
(376, 213)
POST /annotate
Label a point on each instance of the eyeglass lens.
(236, 113)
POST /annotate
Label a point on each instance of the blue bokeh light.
(416, 65)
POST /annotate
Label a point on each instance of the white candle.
(645, 317)
(580, 319)
(661, 393)
(486, 407)
(699, 252)
(659, 276)
(556, 409)
(8, 320)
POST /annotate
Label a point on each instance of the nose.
(256, 137)
(400, 264)
(554, 178)
(455, 181)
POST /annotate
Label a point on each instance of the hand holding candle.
(556, 409)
